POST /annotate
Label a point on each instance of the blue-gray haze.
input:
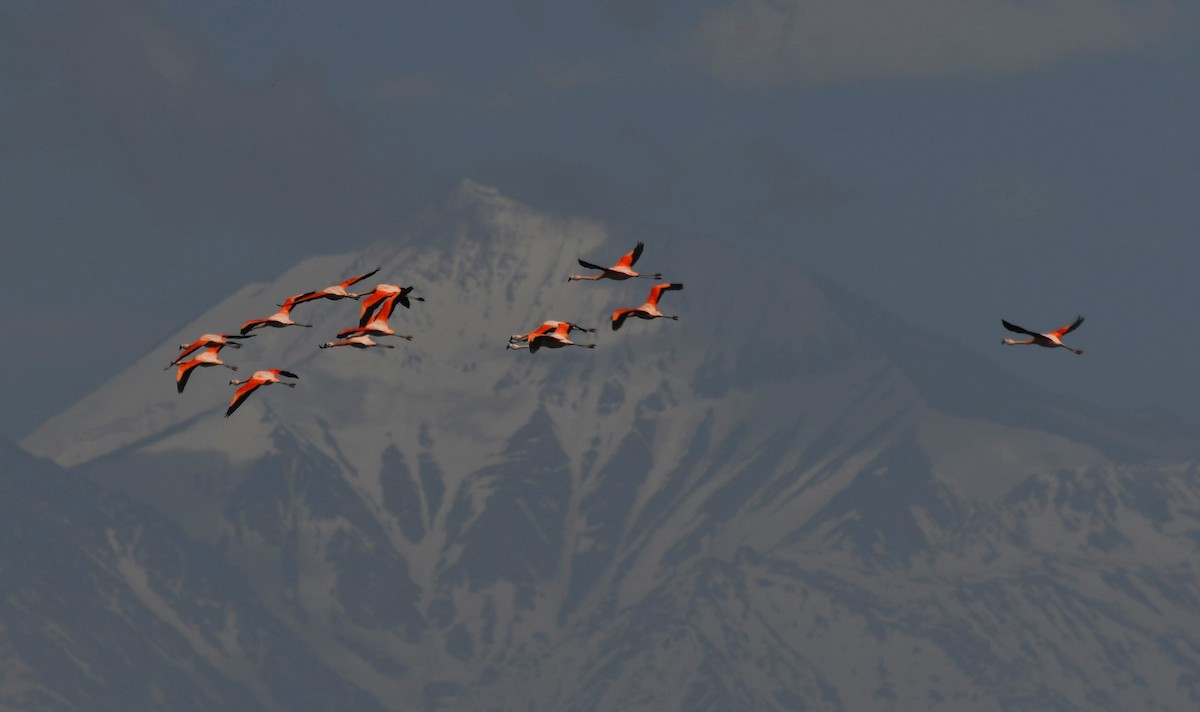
(961, 165)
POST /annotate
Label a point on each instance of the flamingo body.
(249, 385)
(649, 310)
(380, 295)
(337, 291)
(278, 320)
(622, 270)
(218, 340)
(1050, 340)
(548, 326)
(551, 335)
(359, 342)
(376, 323)
(206, 358)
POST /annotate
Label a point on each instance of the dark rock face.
(109, 606)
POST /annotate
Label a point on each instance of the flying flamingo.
(279, 319)
(623, 269)
(379, 295)
(552, 337)
(377, 324)
(337, 291)
(208, 357)
(1049, 340)
(218, 340)
(548, 326)
(249, 385)
(649, 310)
(358, 342)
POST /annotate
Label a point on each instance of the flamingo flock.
(377, 306)
(555, 334)
(376, 309)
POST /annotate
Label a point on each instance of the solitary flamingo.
(206, 358)
(623, 269)
(548, 326)
(1049, 340)
(279, 319)
(337, 291)
(551, 337)
(649, 310)
(377, 324)
(260, 378)
(358, 342)
(218, 340)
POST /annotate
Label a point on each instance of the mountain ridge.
(786, 500)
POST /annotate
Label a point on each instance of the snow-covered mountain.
(788, 499)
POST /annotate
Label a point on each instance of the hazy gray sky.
(958, 161)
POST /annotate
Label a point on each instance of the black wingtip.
(289, 374)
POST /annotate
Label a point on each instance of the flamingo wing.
(630, 258)
(589, 265)
(187, 350)
(619, 317)
(657, 290)
(184, 373)
(1069, 328)
(402, 297)
(355, 280)
(242, 394)
(387, 307)
(1018, 329)
(289, 374)
(251, 325)
(302, 298)
(291, 302)
(369, 305)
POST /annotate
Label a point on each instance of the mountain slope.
(108, 606)
(785, 500)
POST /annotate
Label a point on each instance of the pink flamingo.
(649, 310)
(623, 269)
(249, 385)
(1050, 340)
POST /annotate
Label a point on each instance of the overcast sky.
(959, 161)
